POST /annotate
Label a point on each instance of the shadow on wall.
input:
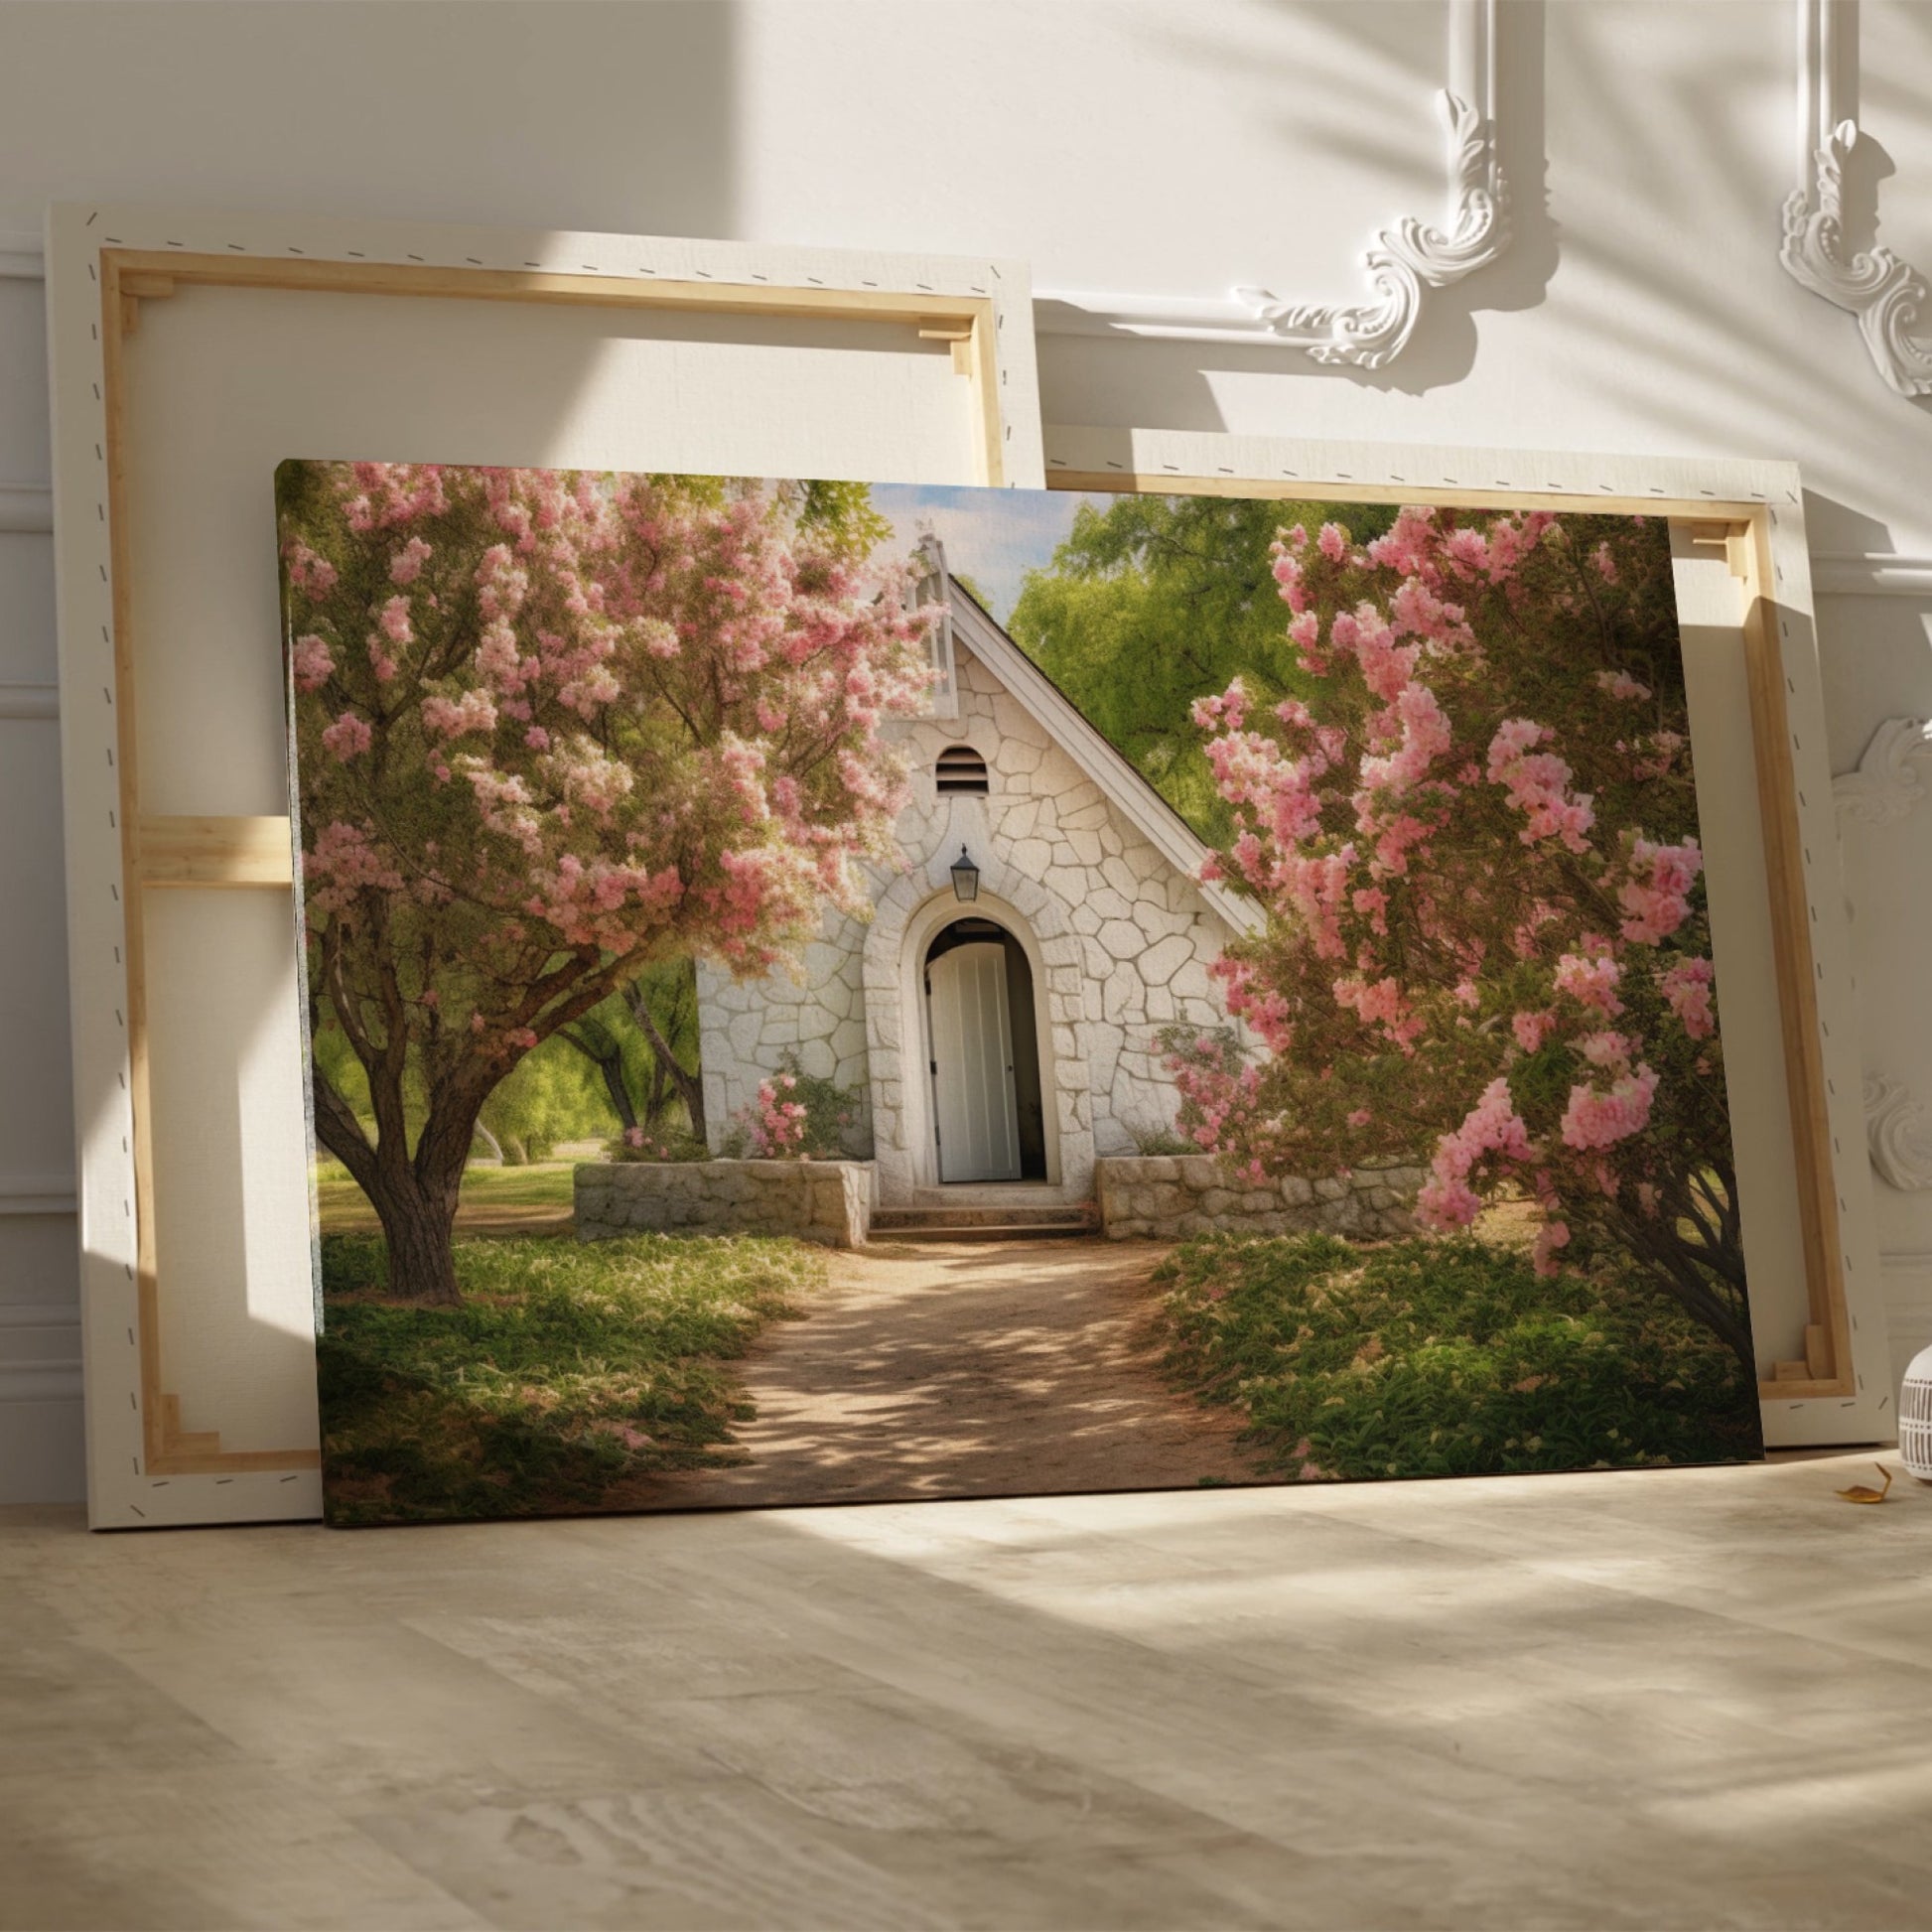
(599, 117)
(1373, 48)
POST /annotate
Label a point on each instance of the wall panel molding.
(1886, 294)
(1871, 573)
(41, 701)
(37, 1193)
(39, 1351)
(21, 257)
(1406, 262)
(27, 507)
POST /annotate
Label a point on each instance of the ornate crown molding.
(1404, 262)
(1899, 1132)
(1889, 296)
(1886, 784)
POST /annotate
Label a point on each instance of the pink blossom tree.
(551, 727)
(1488, 941)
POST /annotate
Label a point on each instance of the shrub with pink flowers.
(553, 727)
(794, 1116)
(1473, 828)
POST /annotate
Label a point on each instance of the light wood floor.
(1686, 1699)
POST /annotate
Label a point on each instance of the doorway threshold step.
(1004, 1221)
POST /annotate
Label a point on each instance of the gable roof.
(1120, 781)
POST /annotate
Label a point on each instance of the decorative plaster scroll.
(1404, 262)
(1889, 296)
(1886, 784)
(1898, 1131)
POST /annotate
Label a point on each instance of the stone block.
(1200, 1172)
(1344, 1216)
(1295, 1192)
(1330, 1188)
(1221, 1200)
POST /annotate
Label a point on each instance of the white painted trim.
(1871, 573)
(1124, 789)
(1405, 261)
(26, 507)
(1886, 294)
(37, 1193)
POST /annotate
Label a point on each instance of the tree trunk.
(419, 1225)
(613, 1071)
(606, 1055)
(414, 1200)
(690, 1086)
(1706, 1280)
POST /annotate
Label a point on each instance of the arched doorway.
(983, 1054)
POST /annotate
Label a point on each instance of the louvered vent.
(961, 770)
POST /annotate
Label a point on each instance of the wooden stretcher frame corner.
(104, 264)
(1833, 1384)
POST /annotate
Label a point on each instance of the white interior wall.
(1144, 146)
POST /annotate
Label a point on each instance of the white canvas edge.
(121, 1495)
(1869, 1414)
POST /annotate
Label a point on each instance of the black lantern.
(965, 879)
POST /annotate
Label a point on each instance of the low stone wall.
(817, 1200)
(1165, 1197)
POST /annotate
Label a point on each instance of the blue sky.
(993, 536)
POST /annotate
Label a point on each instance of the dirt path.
(968, 1369)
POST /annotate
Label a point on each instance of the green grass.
(570, 1376)
(491, 1197)
(1450, 1357)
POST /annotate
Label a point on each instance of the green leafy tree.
(1155, 601)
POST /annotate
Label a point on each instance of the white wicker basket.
(1915, 1416)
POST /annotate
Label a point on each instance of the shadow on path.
(967, 1370)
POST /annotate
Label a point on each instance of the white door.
(972, 1064)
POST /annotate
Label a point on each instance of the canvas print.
(824, 993)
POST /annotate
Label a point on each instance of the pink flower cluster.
(1532, 1030)
(1538, 783)
(1492, 1130)
(1592, 981)
(775, 1124)
(1685, 987)
(1620, 684)
(1657, 893)
(1596, 1119)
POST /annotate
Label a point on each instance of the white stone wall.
(1120, 941)
(828, 1201)
(1158, 1198)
